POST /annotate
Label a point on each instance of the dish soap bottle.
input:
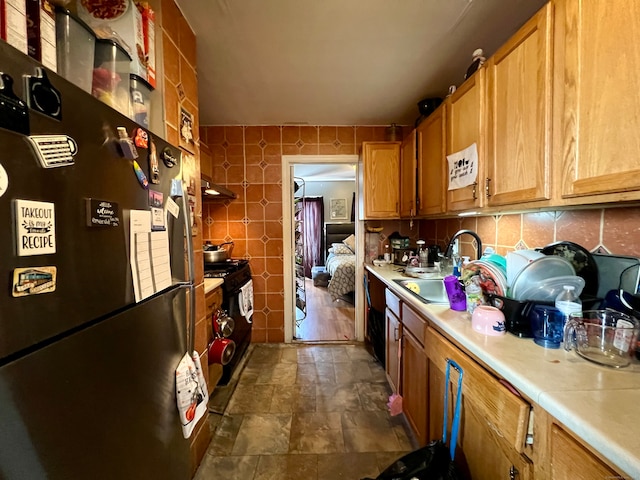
(568, 302)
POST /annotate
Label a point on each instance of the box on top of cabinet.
(149, 31)
(41, 33)
(119, 20)
(13, 23)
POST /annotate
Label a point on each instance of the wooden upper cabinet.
(465, 124)
(519, 115)
(432, 161)
(408, 172)
(381, 183)
(596, 82)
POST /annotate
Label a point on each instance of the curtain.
(313, 221)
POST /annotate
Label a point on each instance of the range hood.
(212, 191)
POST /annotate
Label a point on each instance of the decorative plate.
(490, 278)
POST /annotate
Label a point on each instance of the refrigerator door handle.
(191, 320)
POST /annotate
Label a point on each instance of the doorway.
(319, 312)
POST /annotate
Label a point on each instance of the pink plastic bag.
(395, 404)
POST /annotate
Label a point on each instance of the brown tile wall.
(248, 159)
(180, 87)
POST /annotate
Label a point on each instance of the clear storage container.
(75, 49)
(111, 75)
(140, 99)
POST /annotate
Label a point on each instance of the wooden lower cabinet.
(414, 386)
(493, 421)
(571, 461)
(559, 455)
(415, 375)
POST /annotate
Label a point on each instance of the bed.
(341, 259)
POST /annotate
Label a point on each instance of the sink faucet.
(449, 250)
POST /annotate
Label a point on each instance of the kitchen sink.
(429, 290)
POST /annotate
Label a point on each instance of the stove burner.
(222, 269)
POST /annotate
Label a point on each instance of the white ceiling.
(326, 172)
(338, 62)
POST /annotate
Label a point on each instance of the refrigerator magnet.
(172, 207)
(33, 281)
(155, 198)
(157, 219)
(141, 138)
(102, 213)
(154, 171)
(142, 178)
(4, 180)
(35, 227)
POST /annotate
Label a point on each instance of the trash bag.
(431, 462)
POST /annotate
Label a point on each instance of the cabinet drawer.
(414, 323)
(504, 412)
(393, 302)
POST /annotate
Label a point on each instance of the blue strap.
(456, 412)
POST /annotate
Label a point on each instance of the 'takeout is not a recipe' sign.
(35, 228)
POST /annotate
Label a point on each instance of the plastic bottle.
(474, 295)
(387, 255)
(568, 302)
(422, 253)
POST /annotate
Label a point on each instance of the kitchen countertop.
(211, 284)
(599, 404)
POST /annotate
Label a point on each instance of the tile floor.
(304, 412)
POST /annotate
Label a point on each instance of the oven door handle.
(190, 282)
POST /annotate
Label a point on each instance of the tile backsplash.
(599, 230)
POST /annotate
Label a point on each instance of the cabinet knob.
(487, 181)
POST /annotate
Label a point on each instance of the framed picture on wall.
(338, 208)
(187, 138)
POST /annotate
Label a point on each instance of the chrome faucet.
(449, 250)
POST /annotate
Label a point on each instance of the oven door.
(241, 334)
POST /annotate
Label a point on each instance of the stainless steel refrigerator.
(87, 373)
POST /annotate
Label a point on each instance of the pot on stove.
(217, 253)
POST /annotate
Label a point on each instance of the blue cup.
(547, 326)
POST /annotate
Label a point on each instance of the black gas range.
(235, 273)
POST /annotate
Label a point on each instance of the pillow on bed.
(340, 249)
(350, 242)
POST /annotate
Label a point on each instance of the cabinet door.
(465, 124)
(414, 386)
(571, 461)
(408, 171)
(381, 186)
(596, 119)
(519, 115)
(432, 163)
(493, 420)
(393, 350)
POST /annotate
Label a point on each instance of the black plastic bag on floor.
(435, 460)
(431, 462)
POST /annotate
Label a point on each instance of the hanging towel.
(245, 300)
